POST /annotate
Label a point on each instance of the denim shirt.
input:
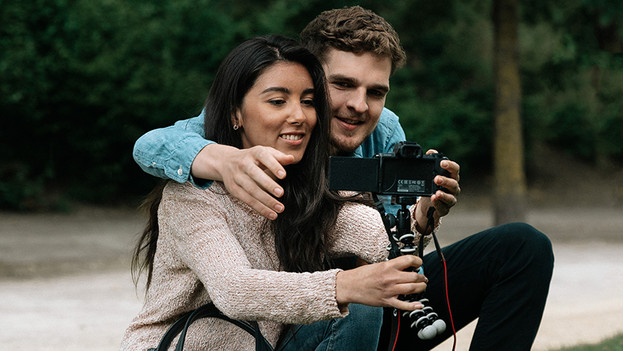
(169, 152)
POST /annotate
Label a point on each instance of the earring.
(235, 127)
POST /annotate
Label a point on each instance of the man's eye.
(342, 84)
(376, 93)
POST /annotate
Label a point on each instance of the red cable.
(396, 339)
(448, 301)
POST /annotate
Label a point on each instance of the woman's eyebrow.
(278, 89)
(285, 90)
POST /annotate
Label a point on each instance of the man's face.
(358, 85)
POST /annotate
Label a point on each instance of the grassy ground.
(612, 344)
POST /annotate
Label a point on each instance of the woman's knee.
(367, 317)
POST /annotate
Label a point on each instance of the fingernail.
(279, 208)
(272, 216)
(278, 192)
(281, 174)
(418, 306)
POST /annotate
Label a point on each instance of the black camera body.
(404, 172)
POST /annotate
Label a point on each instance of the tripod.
(398, 227)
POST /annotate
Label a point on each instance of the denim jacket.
(169, 152)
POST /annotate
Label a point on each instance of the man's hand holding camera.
(442, 201)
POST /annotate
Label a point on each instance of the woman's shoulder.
(176, 190)
(216, 196)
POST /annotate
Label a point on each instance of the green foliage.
(81, 80)
(610, 344)
(572, 83)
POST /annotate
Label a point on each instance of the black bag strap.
(208, 310)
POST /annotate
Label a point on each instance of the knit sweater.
(212, 247)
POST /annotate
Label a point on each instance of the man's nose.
(357, 101)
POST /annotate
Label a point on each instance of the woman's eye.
(307, 102)
(277, 102)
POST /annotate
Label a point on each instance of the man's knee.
(533, 244)
(527, 235)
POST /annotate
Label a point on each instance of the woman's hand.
(380, 284)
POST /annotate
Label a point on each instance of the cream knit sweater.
(212, 247)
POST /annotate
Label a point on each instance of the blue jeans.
(357, 331)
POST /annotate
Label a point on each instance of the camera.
(404, 172)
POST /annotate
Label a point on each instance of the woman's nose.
(297, 116)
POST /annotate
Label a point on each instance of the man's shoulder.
(388, 124)
(388, 118)
(385, 135)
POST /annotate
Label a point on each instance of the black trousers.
(500, 275)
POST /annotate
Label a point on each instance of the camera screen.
(407, 176)
(352, 173)
(386, 175)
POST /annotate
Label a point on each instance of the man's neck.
(335, 151)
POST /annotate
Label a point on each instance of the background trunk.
(510, 190)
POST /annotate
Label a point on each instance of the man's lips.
(348, 123)
(350, 120)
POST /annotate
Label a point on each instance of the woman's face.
(278, 111)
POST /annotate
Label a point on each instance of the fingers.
(451, 166)
(404, 305)
(381, 284)
(406, 282)
(251, 177)
(272, 160)
(443, 201)
(403, 263)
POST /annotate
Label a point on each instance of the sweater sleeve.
(204, 241)
(359, 231)
(427, 238)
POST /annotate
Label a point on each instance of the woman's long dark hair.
(310, 208)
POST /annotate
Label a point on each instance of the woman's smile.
(278, 110)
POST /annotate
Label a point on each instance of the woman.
(206, 246)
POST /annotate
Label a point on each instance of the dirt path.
(65, 283)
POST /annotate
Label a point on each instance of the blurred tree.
(81, 80)
(510, 190)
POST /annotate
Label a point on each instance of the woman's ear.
(237, 119)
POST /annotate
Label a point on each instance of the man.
(501, 275)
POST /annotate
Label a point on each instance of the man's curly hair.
(353, 29)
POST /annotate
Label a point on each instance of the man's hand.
(442, 201)
(248, 174)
